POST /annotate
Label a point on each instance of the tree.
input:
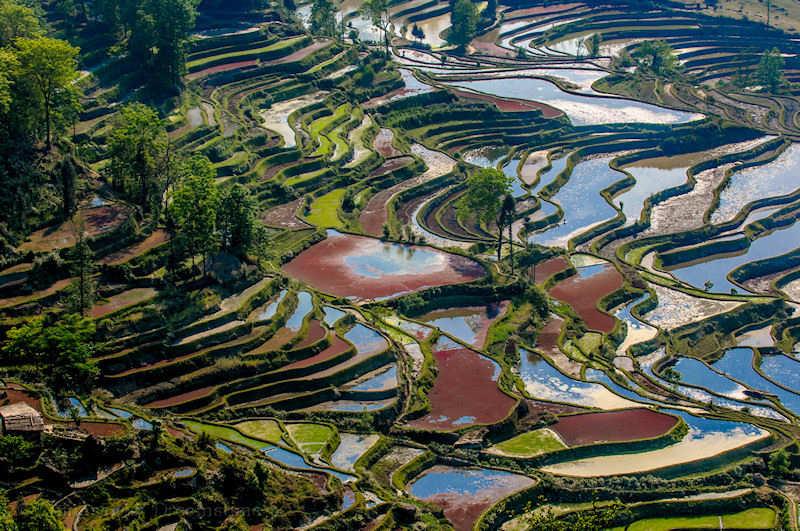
(508, 212)
(593, 45)
(463, 23)
(417, 33)
(490, 12)
(39, 515)
(323, 18)
(656, 57)
(8, 73)
(138, 148)
(194, 209)
(61, 350)
(237, 220)
(6, 521)
(69, 183)
(48, 66)
(159, 35)
(779, 463)
(378, 13)
(83, 267)
(485, 191)
(770, 70)
(17, 21)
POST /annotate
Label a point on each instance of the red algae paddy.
(585, 290)
(465, 392)
(345, 265)
(613, 426)
(550, 267)
(465, 493)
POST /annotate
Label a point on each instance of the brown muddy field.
(345, 265)
(314, 334)
(338, 346)
(583, 293)
(509, 105)
(465, 393)
(613, 426)
(550, 267)
(181, 398)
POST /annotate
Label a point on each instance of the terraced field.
(632, 338)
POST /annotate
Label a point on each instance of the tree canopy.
(463, 23)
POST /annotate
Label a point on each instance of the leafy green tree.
(9, 64)
(770, 70)
(779, 463)
(6, 520)
(463, 23)
(48, 67)
(417, 33)
(490, 12)
(82, 297)
(39, 515)
(593, 44)
(16, 451)
(656, 57)
(323, 18)
(159, 36)
(590, 520)
(62, 350)
(486, 189)
(236, 219)
(378, 13)
(194, 209)
(138, 149)
(508, 211)
(17, 21)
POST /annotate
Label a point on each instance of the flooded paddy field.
(354, 266)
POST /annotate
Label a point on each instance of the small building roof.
(20, 417)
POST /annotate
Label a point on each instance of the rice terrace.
(400, 264)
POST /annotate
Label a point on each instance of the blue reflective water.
(649, 180)
(775, 178)
(717, 270)
(782, 369)
(366, 340)
(141, 424)
(545, 382)
(556, 167)
(582, 110)
(296, 461)
(348, 499)
(272, 307)
(385, 380)
(707, 425)
(332, 315)
(466, 324)
(394, 259)
(222, 447)
(737, 363)
(352, 406)
(594, 375)
(466, 481)
(351, 447)
(121, 413)
(704, 396)
(73, 404)
(184, 473)
(510, 169)
(304, 307)
(695, 372)
(581, 201)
